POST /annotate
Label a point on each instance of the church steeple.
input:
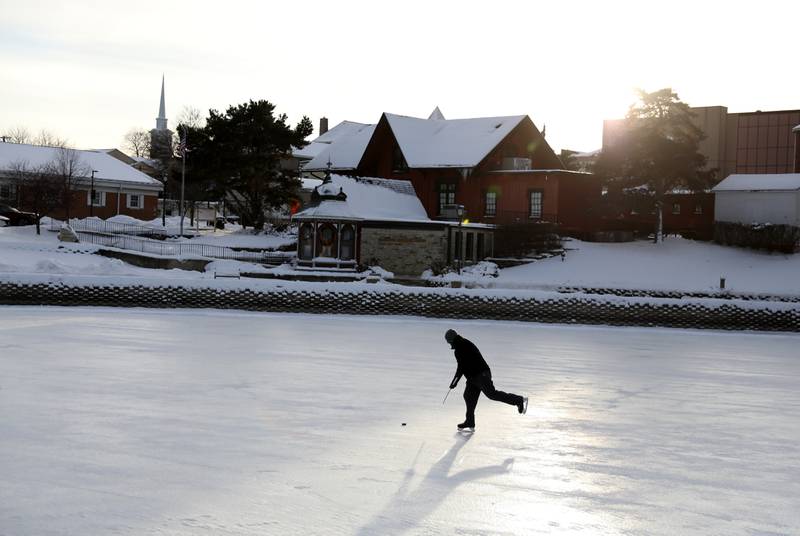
(161, 120)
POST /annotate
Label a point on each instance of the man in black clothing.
(479, 378)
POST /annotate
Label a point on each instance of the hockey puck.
(404, 424)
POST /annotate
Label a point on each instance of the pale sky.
(89, 71)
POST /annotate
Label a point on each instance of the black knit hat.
(450, 335)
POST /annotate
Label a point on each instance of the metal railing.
(101, 226)
(181, 249)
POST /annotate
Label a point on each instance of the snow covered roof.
(324, 141)
(438, 143)
(344, 151)
(759, 182)
(367, 199)
(436, 115)
(106, 166)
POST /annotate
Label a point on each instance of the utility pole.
(91, 196)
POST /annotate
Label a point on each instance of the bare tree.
(37, 187)
(137, 141)
(46, 138)
(191, 117)
(18, 134)
(70, 170)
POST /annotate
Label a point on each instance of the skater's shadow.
(406, 509)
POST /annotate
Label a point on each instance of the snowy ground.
(677, 264)
(125, 421)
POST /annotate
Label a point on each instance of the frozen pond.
(131, 421)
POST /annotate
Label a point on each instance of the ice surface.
(126, 421)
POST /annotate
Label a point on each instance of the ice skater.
(479, 378)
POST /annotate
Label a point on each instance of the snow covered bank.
(134, 422)
(676, 264)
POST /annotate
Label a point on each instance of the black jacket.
(469, 358)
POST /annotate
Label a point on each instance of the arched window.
(348, 237)
(326, 241)
(306, 241)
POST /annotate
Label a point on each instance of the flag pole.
(183, 176)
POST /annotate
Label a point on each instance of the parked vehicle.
(17, 217)
(3, 221)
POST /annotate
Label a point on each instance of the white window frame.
(493, 212)
(698, 209)
(101, 196)
(534, 214)
(128, 204)
(676, 208)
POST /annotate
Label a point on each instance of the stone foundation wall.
(403, 251)
(446, 304)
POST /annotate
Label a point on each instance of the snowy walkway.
(125, 421)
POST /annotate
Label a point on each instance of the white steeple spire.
(161, 120)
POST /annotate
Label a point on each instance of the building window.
(5, 191)
(348, 242)
(447, 195)
(135, 200)
(535, 197)
(491, 204)
(698, 209)
(306, 242)
(676, 208)
(96, 198)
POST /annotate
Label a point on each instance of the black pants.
(483, 383)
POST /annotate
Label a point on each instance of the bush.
(521, 239)
(782, 238)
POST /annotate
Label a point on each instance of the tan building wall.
(404, 251)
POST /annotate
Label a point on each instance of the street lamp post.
(91, 196)
(460, 213)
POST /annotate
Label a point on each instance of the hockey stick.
(445, 396)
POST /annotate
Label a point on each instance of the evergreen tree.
(243, 153)
(658, 149)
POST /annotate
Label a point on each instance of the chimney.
(323, 125)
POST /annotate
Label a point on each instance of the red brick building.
(501, 169)
(101, 185)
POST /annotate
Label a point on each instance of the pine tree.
(243, 152)
(659, 149)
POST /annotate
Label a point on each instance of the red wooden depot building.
(501, 169)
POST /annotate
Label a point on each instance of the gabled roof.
(759, 182)
(343, 150)
(445, 143)
(322, 142)
(368, 198)
(106, 166)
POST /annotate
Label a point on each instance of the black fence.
(441, 304)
